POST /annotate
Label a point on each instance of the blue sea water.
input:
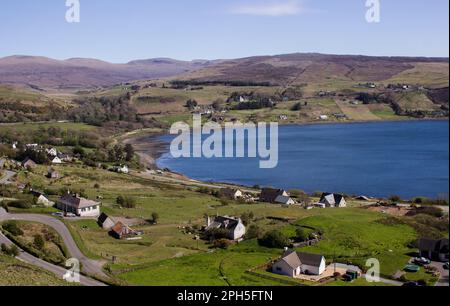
(408, 159)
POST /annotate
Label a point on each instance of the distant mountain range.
(42, 72)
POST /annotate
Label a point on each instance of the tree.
(39, 242)
(155, 217)
(274, 239)
(14, 251)
(78, 150)
(222, 243)
(129, 152)
(301, 234)
(254, 231)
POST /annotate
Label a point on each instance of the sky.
(122, 30)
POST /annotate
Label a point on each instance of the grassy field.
(16, 273)
(30, 127)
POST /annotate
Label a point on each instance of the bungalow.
(333, 200)
(286, 200)
(41, 199)
(293, 264)
(105, 221)
(29, 163)
(235, 227)
(269, 195)
(233, 194)
(122, 231)
(434, 249)
(78, 206)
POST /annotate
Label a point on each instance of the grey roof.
(270, 195)
(224, 222)
(77, 202)
(337, 198)
(296, 259)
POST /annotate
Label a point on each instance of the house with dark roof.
(105, 221)
(235, 228)
(232, 194)
(433, 249)
(270, 195)
(294, 264)
(79, 206)
(333, 200)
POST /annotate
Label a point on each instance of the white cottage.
(78, 206)
(236, 229)
(56, 160)
(333, 200)
(285, 200)
(293, 264)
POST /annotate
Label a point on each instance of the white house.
(333, 200)
(78, 206)
(323, 117)
(52, 152)
(293, 264)
(236, 229)
(286, 200)
(233, 194)
(122, 169)
(56, 160)
(41, 199)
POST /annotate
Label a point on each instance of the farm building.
(53, 174)
(41, 198)
(29, 163)
(105, 221)
(122, 231)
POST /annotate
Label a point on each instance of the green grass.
(16, 273)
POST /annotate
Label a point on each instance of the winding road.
(89, 266)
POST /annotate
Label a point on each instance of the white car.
(422, 261)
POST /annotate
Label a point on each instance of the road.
(444, 279)
(57, 270)
(6, 179)
(89, 266)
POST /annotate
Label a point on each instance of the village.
(224, 231)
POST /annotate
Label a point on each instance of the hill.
(296, 69)
(42, 72)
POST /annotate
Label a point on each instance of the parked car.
(412, 268)
(422, 261)
(70, 215)
(58, 214)
(446, 266)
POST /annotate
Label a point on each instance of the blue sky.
(122, 30)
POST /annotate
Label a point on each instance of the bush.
(11, 251)
(21, 204)
(222, 243)
(126, 202)
(12, 228)
(274, 239)
(254, 231)
(155, 217)
(301, 234)
(39, 242)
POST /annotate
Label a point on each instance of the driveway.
(443, 280)
(355, 268)
(89, 266)
(57, 270)
(6, 179)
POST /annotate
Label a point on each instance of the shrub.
(126, 202)
(21, 204)
(155, 217)
(254, 231)
(222, 243)
(274, 239)
(11, 251)
(12, 228)
(39, 242)
(301, 234)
